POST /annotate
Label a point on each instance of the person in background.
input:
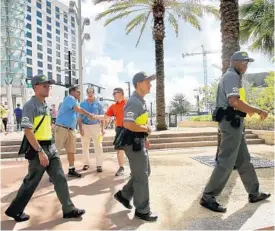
(117, 110)
(66, 124)
(18, 116)
(4, 115)
(53, 113)
(91, 129)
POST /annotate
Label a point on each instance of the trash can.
(173, 120)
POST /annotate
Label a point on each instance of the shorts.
(118, 129)
(65, 138)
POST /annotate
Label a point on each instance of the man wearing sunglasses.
(36, 121)
(116, 110)
(66, 124)
(231, 108)
(91, 128)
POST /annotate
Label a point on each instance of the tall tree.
(180, 104)
(230, 30)
(160, 10)
(257, 26)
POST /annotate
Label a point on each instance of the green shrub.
(201, 118)
(256, 123)
(253, 122)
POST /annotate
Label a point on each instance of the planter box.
(267, 136)
(197, 124)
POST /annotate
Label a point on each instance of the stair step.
(15, 148)
(177, 145)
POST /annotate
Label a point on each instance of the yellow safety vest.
(44, 132)
(242, 94)
(142, 119)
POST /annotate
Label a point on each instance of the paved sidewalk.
(175, 188)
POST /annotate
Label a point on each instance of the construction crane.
(204, 53)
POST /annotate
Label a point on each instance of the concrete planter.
(267, 136)
(196, 124)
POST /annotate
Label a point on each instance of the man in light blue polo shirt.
(91, 129)
(66, 124)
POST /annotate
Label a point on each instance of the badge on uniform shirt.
(130, 115)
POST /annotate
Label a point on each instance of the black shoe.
(120, 171)
(86, 167)
(73, 173)
(74, 214)
(19, 217)
(151, 217)
(99, 169)
(260, 197)
(118, 196)
(212, 205)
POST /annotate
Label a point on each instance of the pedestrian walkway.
(175, 188)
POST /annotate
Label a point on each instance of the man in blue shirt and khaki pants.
(91, 129)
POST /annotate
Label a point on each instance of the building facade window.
(28, 17)
(49, 27)
(39, 30)
(57, 46)
(66, 49)
(29, 9)
(39, 39)
(58, 54)
(29, 35)
(66, 42)
(66, 57)
(39, 14)
(29, 43)
(29, 26)
(29, 71)
(38, 22)
(58, 79)
(38, 5)
(39, 47)
(50, 59)
(50, 75)
(57, 15)
(57, 9)
(58, 61)
(40, 55)
(49, 43)
(66, 28)
(66, 36)
(40, 71)
(58, 39)
(29, 61)
(57, 31)
(49, 4)
(49, 19)
(49, 11)
(73, 32)
(74, 46)
(50, 67)
(58, 69)
(49, 35)
(29, 1)
(39, 63)
(57, 24)
(49, 51)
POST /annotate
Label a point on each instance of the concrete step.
(153, 136)
(175, 145)
(15, 147)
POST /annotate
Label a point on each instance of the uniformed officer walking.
(137, 130)
(231, 108)
(42, 155)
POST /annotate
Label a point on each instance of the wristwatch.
(39, 149)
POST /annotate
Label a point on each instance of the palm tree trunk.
(158, 36)
(230, 30)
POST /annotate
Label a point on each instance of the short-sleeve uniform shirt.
(135, 110)
(230, 85)
(33, 112)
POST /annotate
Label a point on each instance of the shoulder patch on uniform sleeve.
(25, 120)
(130, 114)
(235, 90)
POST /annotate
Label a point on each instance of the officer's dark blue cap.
(241, 56)
(40, 79)
(141, 76)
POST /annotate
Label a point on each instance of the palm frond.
(118, 16)
(143, 27)
(135, 22)
(174, 23)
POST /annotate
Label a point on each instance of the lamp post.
(80, 26)
(129, 89)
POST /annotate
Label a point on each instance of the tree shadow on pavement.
(8, 225)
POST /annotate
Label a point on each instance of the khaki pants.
(94, 132)
(65, 138)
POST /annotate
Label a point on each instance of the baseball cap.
(141, 76)
(241, 56)
(39, 79)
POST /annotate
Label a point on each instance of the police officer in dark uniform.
(42, 155)
(136, 145)
(231, 108)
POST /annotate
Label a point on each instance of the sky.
(111, 57)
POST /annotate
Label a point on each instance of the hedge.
(253, 122)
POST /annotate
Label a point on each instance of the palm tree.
(257, 26)
(230, 30)
(171, 10)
